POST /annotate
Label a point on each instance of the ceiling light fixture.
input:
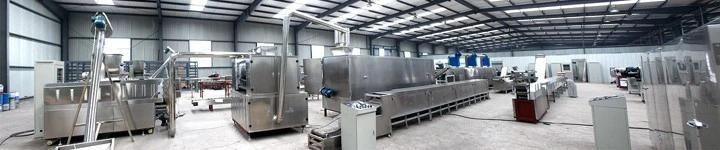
(624, 2)
(290, 8)
(197, 5)
(431, 25)
(613, 8)
(104, 2)
(414, 16)
(373, 5)
(453, 30)
(578, 17)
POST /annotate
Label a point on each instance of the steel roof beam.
(398, 14)
(490, 10)
(653, 21)
(326, 13)
(246, 13)
(672, 10)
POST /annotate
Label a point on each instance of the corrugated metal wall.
(34, 35)
(141, 30)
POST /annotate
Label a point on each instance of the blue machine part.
(327, 92)
(471, 61)
(485, 61)
(99, 22)
(454, 60)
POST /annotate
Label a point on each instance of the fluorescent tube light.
(431, 25)
(290, 8)
(624, 2)
(197, 5)
(104, 2)
(434, 11)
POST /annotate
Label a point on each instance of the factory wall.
(34, 35)
(607, 57)
(177, 32)
(141, 30)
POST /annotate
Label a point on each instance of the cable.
(560, 123)
(474, 118)
(18, 134)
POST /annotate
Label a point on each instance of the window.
(381, 52)
(201, 46)
(407, 54)
(424, 54)
(118, 46)
(338, 52)
(267, 49)
(317, 51)
(355, 51)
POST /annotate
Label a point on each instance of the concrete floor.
(203, 129)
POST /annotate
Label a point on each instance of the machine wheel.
(50, 142)
(149, 131)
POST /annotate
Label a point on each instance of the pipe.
(283, 69)
(174, 55)
(100, 26)
(170, 90)
(343, 37)
(318, 21)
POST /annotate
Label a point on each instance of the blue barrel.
(5, 101)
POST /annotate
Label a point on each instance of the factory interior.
(360, 74)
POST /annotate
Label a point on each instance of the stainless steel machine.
(60, 101)
(279, 104)
(350, 77)
(256, 87)
(579, 70)
(46, 72)
(403, 106)
(106, 100)
(682, 96)
(533, 97)
(312, 79)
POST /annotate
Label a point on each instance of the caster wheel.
(149, 131)
(50, 142)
